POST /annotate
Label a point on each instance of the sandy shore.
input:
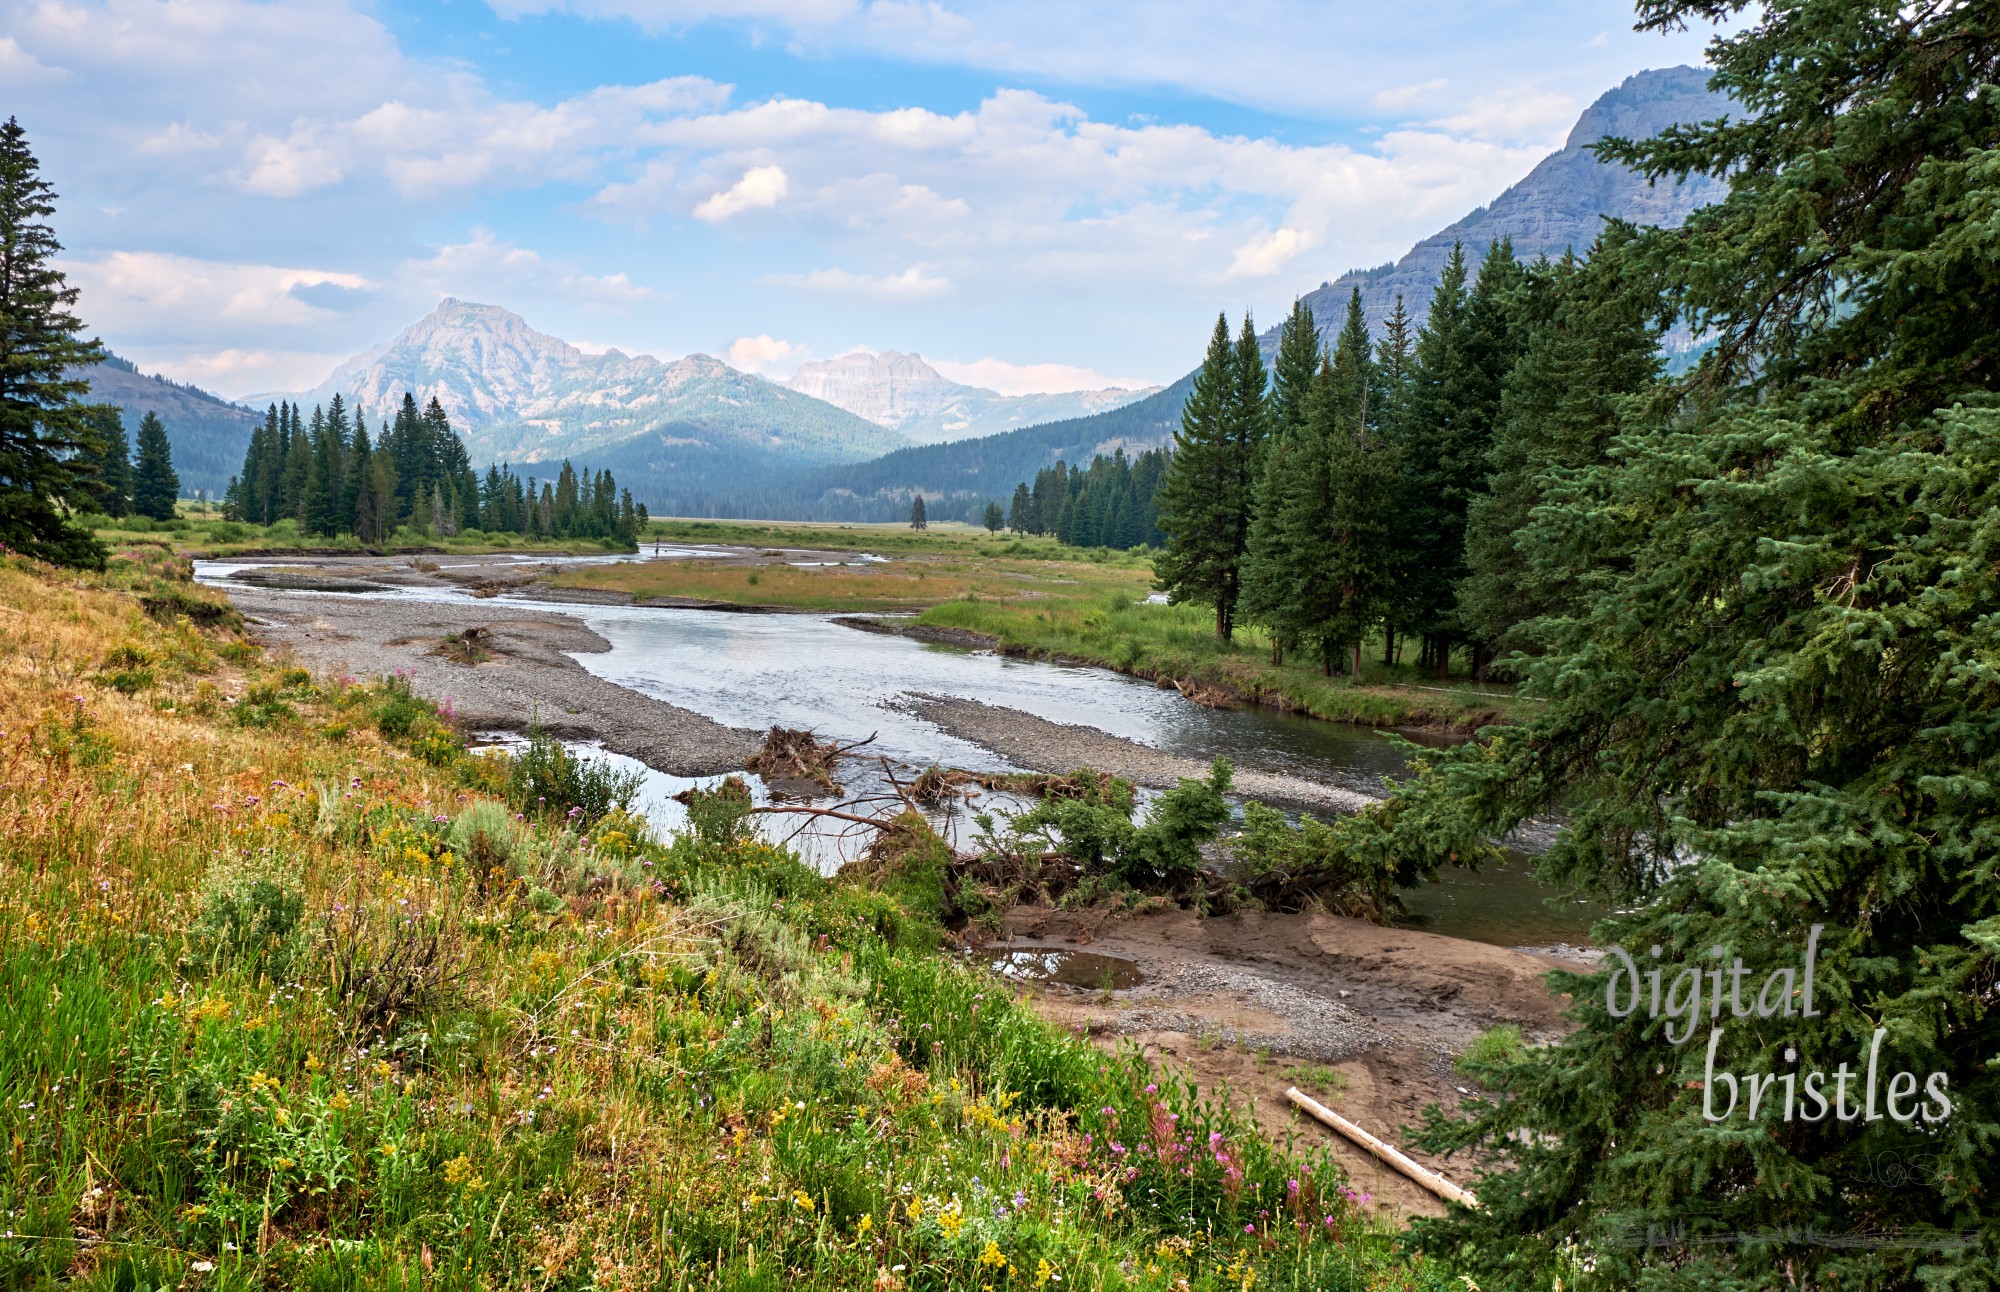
(530, 678)
(1361, 1017)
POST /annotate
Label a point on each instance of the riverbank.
(1363, 1018)
(527, 678)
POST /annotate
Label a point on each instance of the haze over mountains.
(854, 437)
(904, 393)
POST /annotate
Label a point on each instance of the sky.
(1034, 194)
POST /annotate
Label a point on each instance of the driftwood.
(791, 754)
(1387, 1153)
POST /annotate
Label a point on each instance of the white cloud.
(1403, 96)
(670, 15)
(1267, 255)
(1029, 378)
(913, 284)
(235, 372)
(483, 265)
(1520, 112)
(766, 355)
(760, 188)
(19, 67)
(145, 291)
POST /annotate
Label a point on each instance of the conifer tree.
(42, 419)
(298, 466)
(1269, 573)
(1775, 724)
(917, 518)
(1206, 499)
(107, 457)
(1394, 370)
(155, 486)
(994, 519)
(1021, 512)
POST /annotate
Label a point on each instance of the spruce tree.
(1206, 499)
(43, 426)
(1776, 724)
(1021, 512)
(1269, 572)
(107, 458)
(917, 518)
(994, 519)
(155, 486)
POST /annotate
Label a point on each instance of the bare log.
(1388, 1153)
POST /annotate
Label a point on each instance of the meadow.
(303, 994)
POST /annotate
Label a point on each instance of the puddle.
(1086, 969)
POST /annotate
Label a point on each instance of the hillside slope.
(904, 393)
(208, 432)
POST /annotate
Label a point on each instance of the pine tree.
(995, 520)
(43, 426)
(1021, 512)
(1268, 567)
(1206, 498)
(297, 468)
(1776, 722)
(155, 486)
(917, 520)
(1333, 526)
(1589, 349)
(107, 459)
(1395, 363)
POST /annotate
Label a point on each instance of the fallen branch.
(1388, 1153)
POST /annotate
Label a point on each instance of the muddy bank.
(1043, 746)
(529, 677)
(1363, 1018)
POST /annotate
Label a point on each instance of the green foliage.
(45, 431)
(1496, 1047)
(249, 920)
(155, 487)
(546, 779)
(1206, 496)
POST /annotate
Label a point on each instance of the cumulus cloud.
(484, 265)
(1262, 257)
(1399, 97)
(766, 355)
(760, 188)
(143, 290)
(1030, 378)
(913, 284)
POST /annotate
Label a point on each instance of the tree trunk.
(1357, 661)
(1388, 646)
(1443, 653)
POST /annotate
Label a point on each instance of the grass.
(194, 532)
(943, 537)
(901, 583)
(1178, 644)
(299, 997)
(1496, 1047)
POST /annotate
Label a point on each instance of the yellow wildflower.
(863, 1225)
(992, 1257)
(339, 1102)
(1043, 1271)
(284, 1118)
(313, 1064)
(803, 1198)
(916, 1209)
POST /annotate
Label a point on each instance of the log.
(1388, 1153)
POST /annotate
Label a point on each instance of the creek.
(803, 670)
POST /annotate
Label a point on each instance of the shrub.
(249, 917)
(548, 780)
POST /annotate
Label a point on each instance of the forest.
(324, 473)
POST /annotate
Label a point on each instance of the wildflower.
(916, 1209)
(339, 1102)
(803, 1199)
(862, 1226)
(284, 1118)
(313, 1064)
(286, 1164)
(992, 1257)
(387, 1148)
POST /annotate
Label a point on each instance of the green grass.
(194, 532)
(1493, 1048)
(287, 1010)
(1178, 644)
(943, 537)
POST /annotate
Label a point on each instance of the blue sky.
(1034, 194)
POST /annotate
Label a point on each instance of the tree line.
(1385, 489)
(1110, 503)
(325, 473)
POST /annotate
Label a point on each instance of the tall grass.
(301, 1002)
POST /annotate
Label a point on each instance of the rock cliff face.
(903, 392)
(519, 395)
(1561, 204)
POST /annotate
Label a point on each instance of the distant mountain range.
(1560, 206)
(902, 392)
(855, 437)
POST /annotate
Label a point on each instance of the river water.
(761, 670)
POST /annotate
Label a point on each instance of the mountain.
(208, 433)
(522, 396)
(1561, 205)
(904, 393)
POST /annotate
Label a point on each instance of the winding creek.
(803, 670)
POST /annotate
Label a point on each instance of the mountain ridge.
(906, 394)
